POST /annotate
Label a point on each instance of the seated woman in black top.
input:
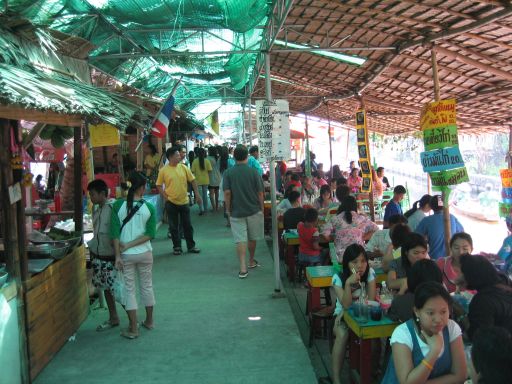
(492, 305)
(491, 356)
(424, 270)
(295, 214)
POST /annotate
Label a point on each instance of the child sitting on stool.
(310, 252)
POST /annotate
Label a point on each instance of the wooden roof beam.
(487, 40)
(450, 32)
(438, 8)
(48, 117)
(482, 56)
(466, 60)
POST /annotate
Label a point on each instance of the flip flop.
(256, 264)
(148, 327)
(129, 335)
(106, 325)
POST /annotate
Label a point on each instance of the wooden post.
(139, 152)
(13, 216)
(330, 136)
(307, 163)
(77, 198)
(509, 155)
(446, 206)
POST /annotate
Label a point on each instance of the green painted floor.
(202, 332)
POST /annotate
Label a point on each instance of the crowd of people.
(442, 297)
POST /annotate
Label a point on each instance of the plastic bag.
(119, 288)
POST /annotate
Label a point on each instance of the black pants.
(180, 215)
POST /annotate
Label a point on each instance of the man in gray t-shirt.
(243, 197)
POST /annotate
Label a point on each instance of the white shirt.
(336, 281)
(402, 335)
(415, 218)
(380, 240)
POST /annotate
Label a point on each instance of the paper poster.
(364, 165)
(103, 135)
(281, 133)
(438, 114)
(451, 177)
(440, 137)
(360, 118)
(363, 151)
(366, 186)
(441, 159)
(506, 173)
(505, 209)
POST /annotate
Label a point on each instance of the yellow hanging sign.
(438, 114)
(103, 135)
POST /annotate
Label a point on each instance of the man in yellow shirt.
(172, 184)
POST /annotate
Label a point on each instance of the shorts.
(103, 273)
(308, 259)
(247, 228)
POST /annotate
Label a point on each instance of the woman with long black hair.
(201, 168)
(132, 226)
(418, 211)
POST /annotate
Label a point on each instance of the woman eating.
(427, 348)
(347, 285)
(413, 250)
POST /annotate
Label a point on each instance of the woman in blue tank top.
(429, 346)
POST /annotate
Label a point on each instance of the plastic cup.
(364, 313)
(375, 313)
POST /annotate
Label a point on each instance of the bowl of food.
(45, 251)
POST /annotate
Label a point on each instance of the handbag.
(119, 288)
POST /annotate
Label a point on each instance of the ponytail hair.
(348, 205)
(135, 181)
(421, 203)
(201, 154)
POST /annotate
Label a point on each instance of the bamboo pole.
(446, 207)
(330, 137)
(12, 218)
(307, 163)
(77, 199)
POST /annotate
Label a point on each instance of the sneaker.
(177, 251)
(243, 275)
(194, 250)
(169, 235)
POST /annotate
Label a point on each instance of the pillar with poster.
(363, 150)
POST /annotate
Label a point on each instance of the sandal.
(106, 325)
(256, 264)
(243, 275)
(129, 335)
(148, 327)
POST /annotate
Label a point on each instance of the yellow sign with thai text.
(103, 135)
(438, 114)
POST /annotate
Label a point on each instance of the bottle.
(363, 304)
(56, 200)
(384, 292)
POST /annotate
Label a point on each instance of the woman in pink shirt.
(460, 244)
(354, 181)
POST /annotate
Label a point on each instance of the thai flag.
(161, 122)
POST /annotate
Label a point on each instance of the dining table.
(361, 334)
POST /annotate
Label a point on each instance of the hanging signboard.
(505, 210)
(451, 177)
(363, 150)
(441, 159)
(103, 135)
(266, 112)
(440, 137)
(505, 207)
(438, 114)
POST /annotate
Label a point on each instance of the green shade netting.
(152, 30)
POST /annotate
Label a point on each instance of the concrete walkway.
(202, 329)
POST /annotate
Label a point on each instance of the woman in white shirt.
(132, 226)
(418, 211)
(429, 346)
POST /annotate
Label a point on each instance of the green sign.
(451, 177)
(505, 209)
(440, 137)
